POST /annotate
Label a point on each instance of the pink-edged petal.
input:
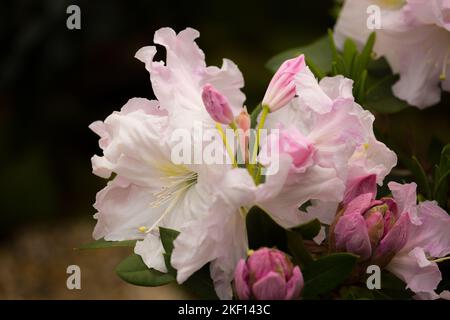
(178, 83)
(413, 267)
(351, 236)
(241, 280)
(295, 284)
(337, 88)
(361, 185)
(281, 196)
(310, 94)
(406, 198)
(393, 242)
(433, 233)
(271, 287)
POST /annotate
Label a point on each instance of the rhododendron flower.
(325, 138)
(149, 189)
(394, 233)
(415, 40)
(428, 238)
(178, 84)
(268, 274)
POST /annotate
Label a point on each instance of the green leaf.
(349, 55)
(361, 293)
(133, 270)
(440, 195)
(393, 287)
(380, 98)
(441, 177)
(167, 237)
(366, 55)
(254, 115)
(102, 243)
(308, 230)
(326, 273)
(332, 44)
(318, 56)
(361, 87)
(263, 231)
(201, 285)
(300, 255)
(421, 177)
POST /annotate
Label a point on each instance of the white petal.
(122, 209)
(151, 252)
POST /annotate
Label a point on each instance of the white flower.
(415, 40)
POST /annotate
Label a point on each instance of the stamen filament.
(440, 259)
(227, 146)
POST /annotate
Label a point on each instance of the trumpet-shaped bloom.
(415, 40)
(325, 139)
(149, 188)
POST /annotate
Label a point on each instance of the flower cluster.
(312, 144)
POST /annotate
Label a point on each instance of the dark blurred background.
(54, 82)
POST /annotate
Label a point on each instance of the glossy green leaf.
(300, 255)
(421, 177)
(201, 285)
(308, 230)
(102, 244)
(380, 98)
(326, 273)
(167, 237)
(318, 56)
(133, 270)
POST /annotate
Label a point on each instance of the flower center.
(178, 180)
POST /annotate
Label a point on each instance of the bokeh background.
(54, 82)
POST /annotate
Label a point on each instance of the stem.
(264, 113)
(227, 146)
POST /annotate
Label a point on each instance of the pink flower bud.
(243, 123)
(361, 185)
(367, 227)
(268, 274)
(282, 88)
(217, 105)
(243, 120)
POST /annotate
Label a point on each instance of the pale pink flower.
(326, 138)
(415, 40)
(428, 238)
(149, 190)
